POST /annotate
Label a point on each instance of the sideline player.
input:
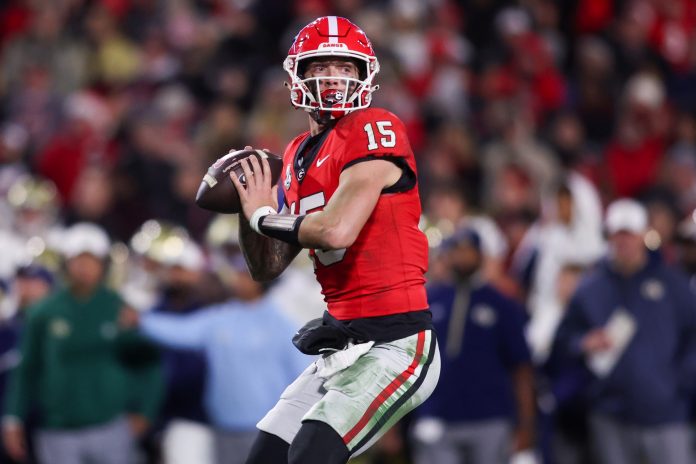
(351, 197)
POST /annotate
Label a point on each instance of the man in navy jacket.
(483, 407)
(639, 404)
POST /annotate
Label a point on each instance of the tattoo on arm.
(266, 257)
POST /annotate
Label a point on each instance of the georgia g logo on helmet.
(326, 37)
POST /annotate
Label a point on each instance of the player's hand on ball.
(219, 193)
(259, 190)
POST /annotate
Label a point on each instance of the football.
(217, 192)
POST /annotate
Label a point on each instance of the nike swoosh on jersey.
(321, 160)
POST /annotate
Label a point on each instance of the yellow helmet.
(167, 244)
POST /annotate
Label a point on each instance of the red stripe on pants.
(388, 391)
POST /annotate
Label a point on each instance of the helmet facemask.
(331, 103)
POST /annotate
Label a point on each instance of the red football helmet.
(331, 36)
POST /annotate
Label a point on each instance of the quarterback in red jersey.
(357, 280)
(351, 198)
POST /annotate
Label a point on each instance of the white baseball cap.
(626, 215)
(85, 237)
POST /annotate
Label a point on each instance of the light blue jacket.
(250, 356)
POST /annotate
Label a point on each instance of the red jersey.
(382, 273)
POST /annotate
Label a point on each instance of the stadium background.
(112, 110)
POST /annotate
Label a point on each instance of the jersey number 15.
(388, 139)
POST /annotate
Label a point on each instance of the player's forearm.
(338, 225)
(266, 257)
(323, 231)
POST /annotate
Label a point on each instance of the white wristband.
(258, 214)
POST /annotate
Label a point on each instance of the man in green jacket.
(95, 386)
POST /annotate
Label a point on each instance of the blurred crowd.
(528, 119)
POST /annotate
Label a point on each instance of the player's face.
(334, 73)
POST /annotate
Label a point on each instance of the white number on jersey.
(389, 139)
(311, 202)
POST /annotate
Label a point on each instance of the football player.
(350, 197)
